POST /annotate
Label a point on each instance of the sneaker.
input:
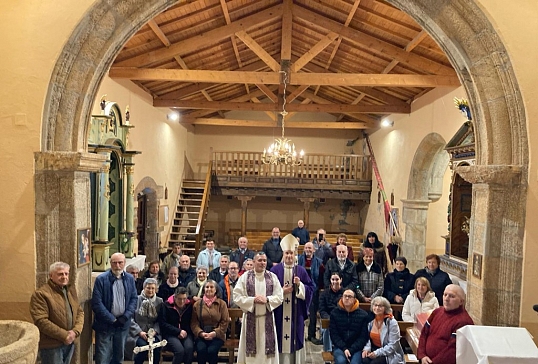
(315, 341)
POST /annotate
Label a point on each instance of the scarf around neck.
(251, 317)
(209, 301)
(147, 308)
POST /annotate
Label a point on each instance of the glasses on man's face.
(348, 296)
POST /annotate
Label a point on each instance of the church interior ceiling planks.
(355, 60)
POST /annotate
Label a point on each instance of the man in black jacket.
(344, 266)
(349, 329)
(272, 249)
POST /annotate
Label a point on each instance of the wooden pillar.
(244, 201)
(306, 207)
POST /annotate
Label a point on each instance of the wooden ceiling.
(355, 60)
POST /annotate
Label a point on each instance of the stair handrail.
(203, 209)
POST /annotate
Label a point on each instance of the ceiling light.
(282, 151)
(386, 123)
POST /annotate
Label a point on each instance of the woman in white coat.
(421, 299)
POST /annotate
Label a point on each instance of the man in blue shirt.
(113, 303)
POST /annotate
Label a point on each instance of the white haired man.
(437, 343)
(58, 316)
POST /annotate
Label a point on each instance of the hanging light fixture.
(282, 151)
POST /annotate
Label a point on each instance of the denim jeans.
(340, 357)
(110, 346)
(208, 350)
(183, 349)
(327, 343)
(143, 355)
(59, 355)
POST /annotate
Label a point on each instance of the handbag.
(206, 328)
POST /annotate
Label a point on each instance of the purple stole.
(251, 317)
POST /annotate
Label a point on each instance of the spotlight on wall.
(387, 123)
(172, 116)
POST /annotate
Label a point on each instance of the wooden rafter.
(328, 108)
(258, 50)
(287, 17)
(331, 79)
(195, 42)
(272, 124)
(374, 44)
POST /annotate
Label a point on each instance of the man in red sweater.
(437, 343)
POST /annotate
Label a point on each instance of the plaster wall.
(517, 26)
(254, 140)
(394, 150)
(264, 213)
(30, 53)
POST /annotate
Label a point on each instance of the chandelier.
(282, 151)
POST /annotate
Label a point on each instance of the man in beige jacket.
(56, 312)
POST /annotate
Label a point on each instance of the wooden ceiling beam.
(270, 94)
(258, 50)
(298, 91)
(287, 23)
(314, 51)
(373, 44)
(273, 107)
(273, 78)
(158, 32)
(201, 40)
(197, 87)
(243, 98)
(272, 124)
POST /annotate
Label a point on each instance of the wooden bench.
(403, 325)
(230, 344)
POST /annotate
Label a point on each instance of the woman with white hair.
(194, 288)
(145, 318)
(384, 344)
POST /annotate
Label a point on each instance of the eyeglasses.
(349, 296)
(378, 305)
(115, 262)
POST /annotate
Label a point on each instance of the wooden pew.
(232, 342)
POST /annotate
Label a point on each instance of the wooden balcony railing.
(314, 166)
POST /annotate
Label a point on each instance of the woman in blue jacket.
(384, 344)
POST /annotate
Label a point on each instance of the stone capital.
(416, 204)
(503, 175)
(69, 161)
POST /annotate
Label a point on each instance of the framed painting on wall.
(84, 246)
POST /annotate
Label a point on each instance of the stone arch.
(427, 169)
(147, 186)
(425, 186)
(463, 32)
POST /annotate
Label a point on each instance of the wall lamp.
(387, 123)
(172, 116)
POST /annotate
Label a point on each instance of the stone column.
(306, 210)
(495, 244)
(62, 186)
(244, 201)
(415, 216)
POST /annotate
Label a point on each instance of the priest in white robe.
(258, 293)
(290, 317)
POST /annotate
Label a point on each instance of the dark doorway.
(142, 216)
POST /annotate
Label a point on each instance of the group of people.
(277, 292)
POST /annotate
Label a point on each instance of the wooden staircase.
(189, 220)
